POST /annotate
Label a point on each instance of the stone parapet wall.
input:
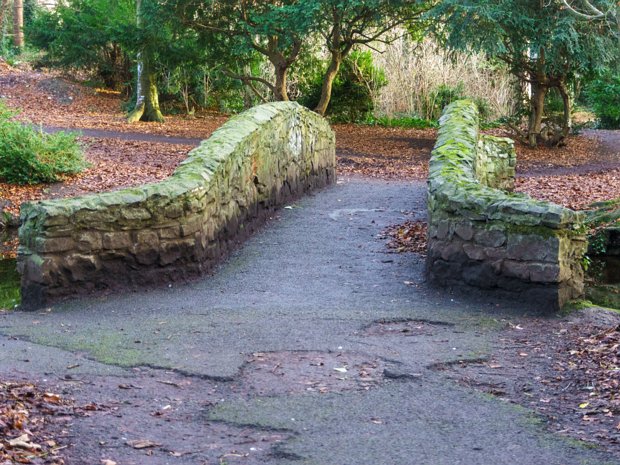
(180, 227)
(482, 235)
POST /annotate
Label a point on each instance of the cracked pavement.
(311, 344)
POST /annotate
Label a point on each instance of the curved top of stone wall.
(194, 173)
(453, 180)
(181, 226)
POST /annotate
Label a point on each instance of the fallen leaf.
(23, 442)
(142, 444)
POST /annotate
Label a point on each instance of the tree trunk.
(18, 24)
(328, 82)
(280, 92)
(147, 97)
(537, 108)
(566, 120)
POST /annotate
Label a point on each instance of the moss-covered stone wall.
(179, 227)
(482, 235)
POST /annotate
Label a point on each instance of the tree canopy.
(543, 44)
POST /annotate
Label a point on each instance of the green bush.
(353, 90)
(444, 94)
(30, 157)
(604, 97)
(409, 122)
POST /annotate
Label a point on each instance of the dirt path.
(129, 136)
(310, 345)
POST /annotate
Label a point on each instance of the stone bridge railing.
(483, 236)
(179, 227)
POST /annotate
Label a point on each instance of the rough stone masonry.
(180, 227)
(482, 235)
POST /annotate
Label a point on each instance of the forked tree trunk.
(537, 108)
(328, 83)
(18, 23)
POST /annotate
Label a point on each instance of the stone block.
(173, 211)
(516, 269)
(490, 237)
(170, 253)
(81, 267)
(443, 229)
(544, 272)
(117, 240)
(464, 230)
(58, 231)
(475, 252)
(480, 274)
(147, 239)
(89, 241)
(172, 232)
(441, 271)
(533, 247)
(453, 252)
(135, 214)
(192, 226)
(58, 220)
(54, 244)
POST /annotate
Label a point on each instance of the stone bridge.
(180, 227)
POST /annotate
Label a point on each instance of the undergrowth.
(28, 156)
(409, 122)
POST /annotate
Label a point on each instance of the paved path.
(310, 345)
(137, 136)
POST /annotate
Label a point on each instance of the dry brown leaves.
(596, 362)
(389, 153)
(8, 247)
(578, 151)
(114, 164)
(410, 236)
(119, 163)
(24, 411)
(573, 191)
(50, 99)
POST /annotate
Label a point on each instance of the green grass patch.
(9, 284)
(28, 156)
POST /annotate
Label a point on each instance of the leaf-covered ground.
(567, 370)
(25, 413)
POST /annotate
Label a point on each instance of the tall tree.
(544, 45)
(147, 95)
(346, 24)
(18, 23)
(236, 29)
